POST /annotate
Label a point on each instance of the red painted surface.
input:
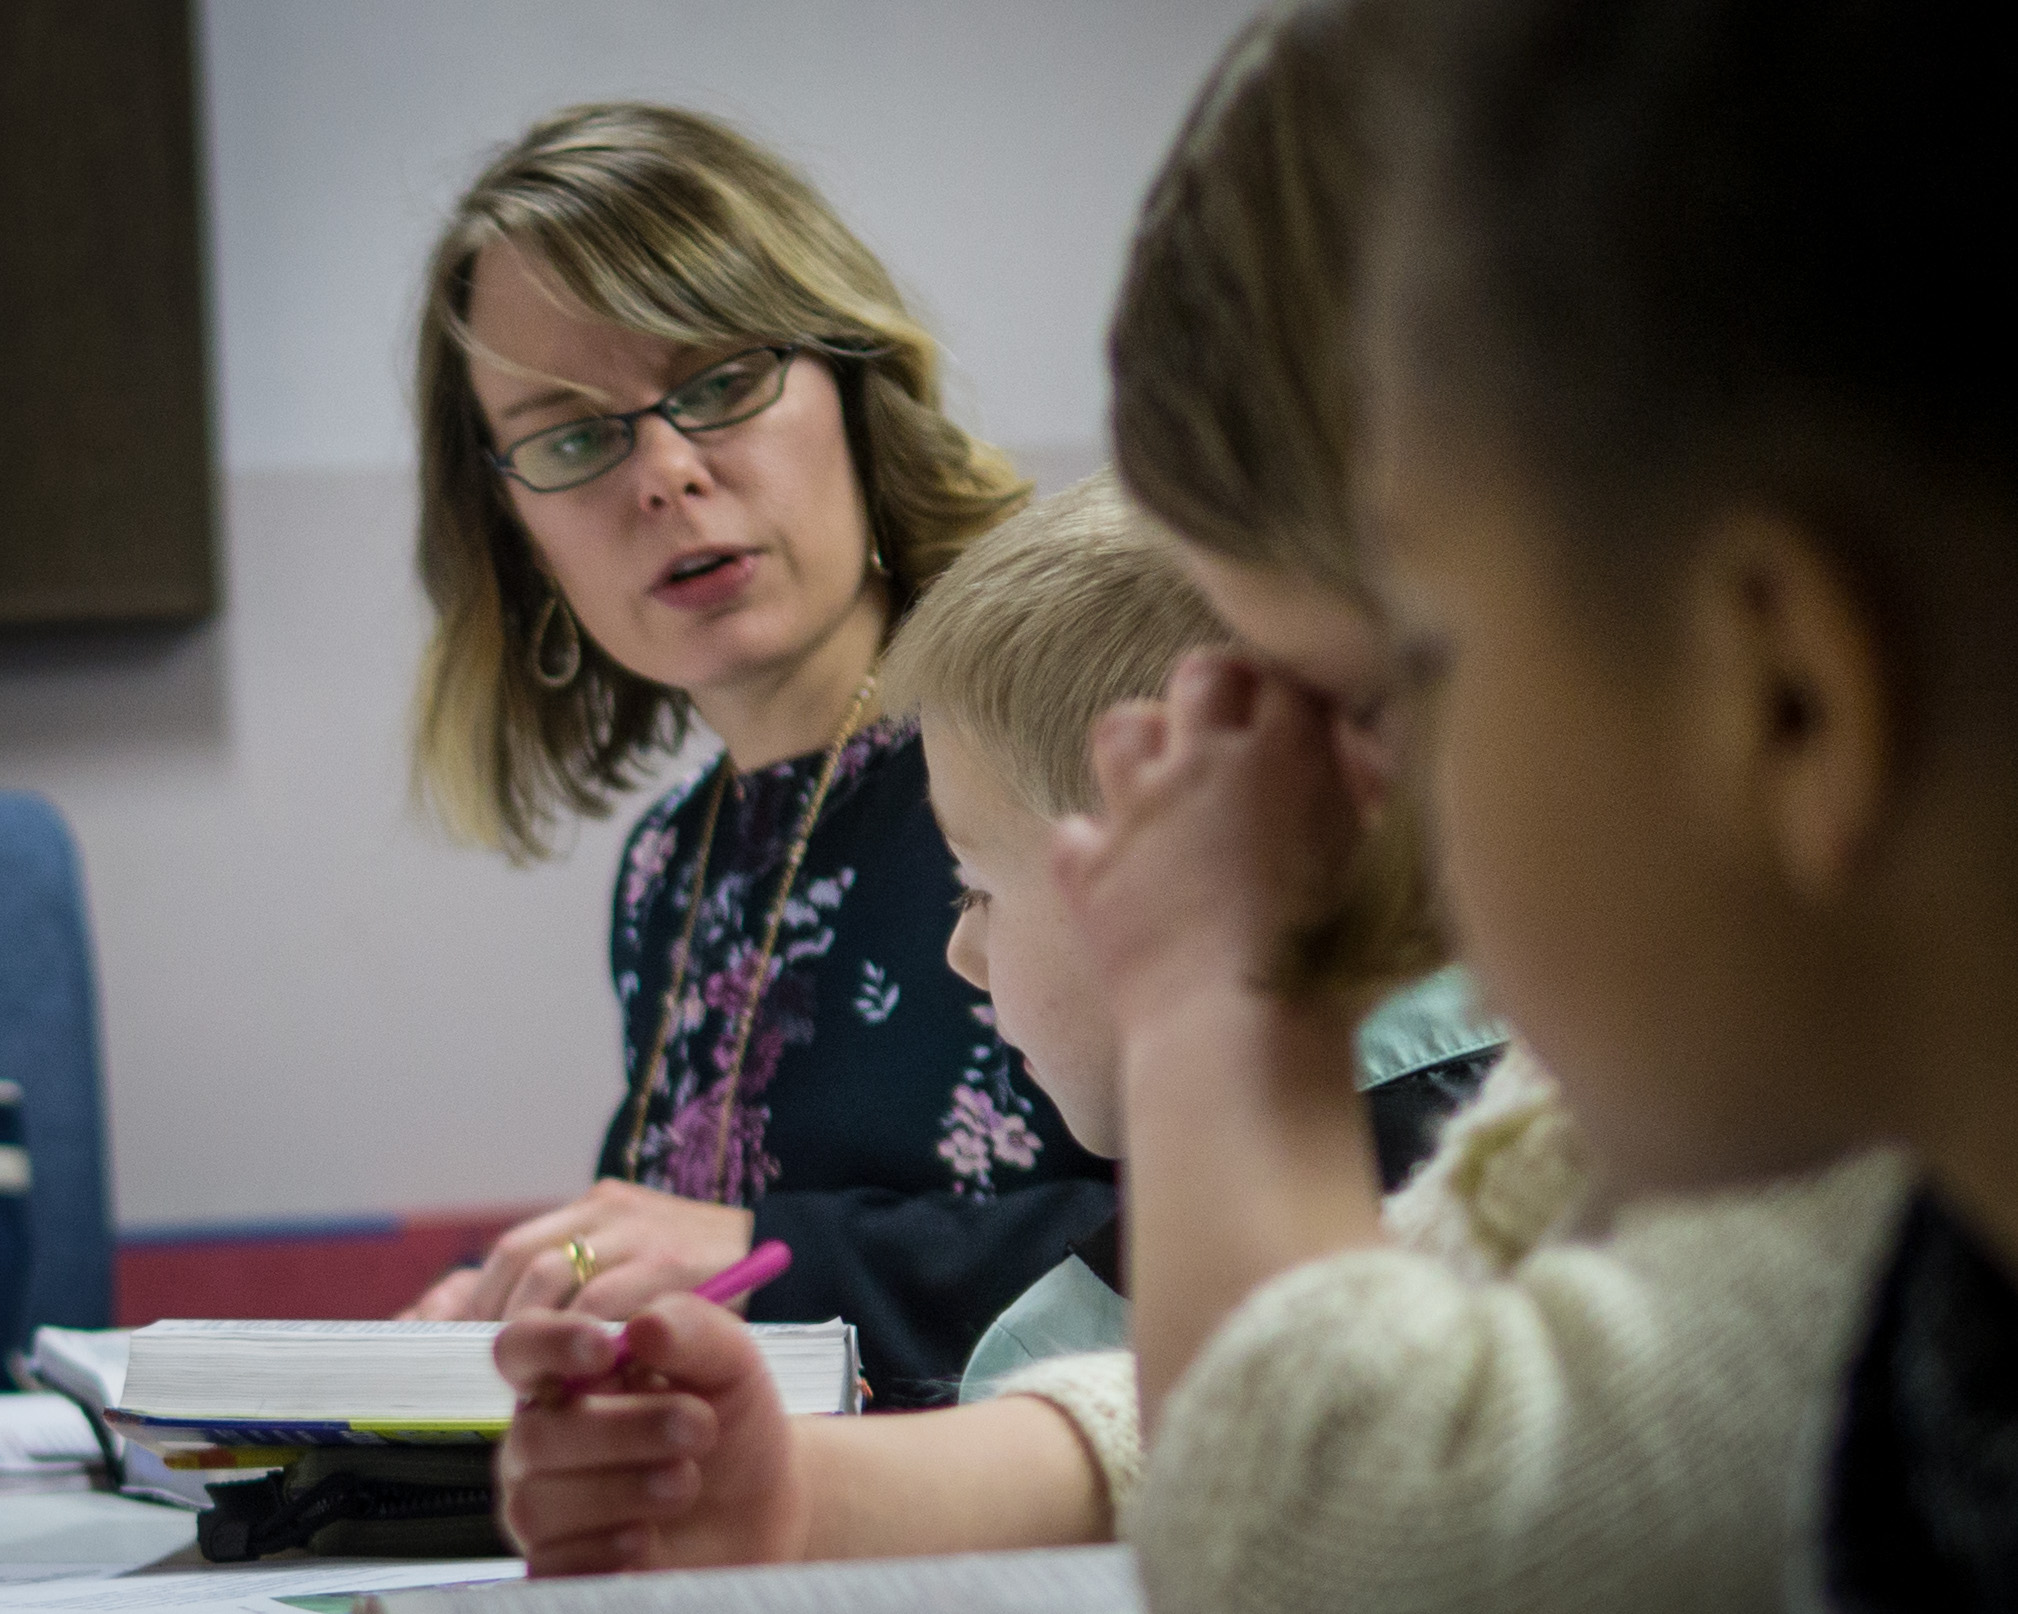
(299, 1272)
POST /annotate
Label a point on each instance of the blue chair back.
(49, 1052)
(16, 1242)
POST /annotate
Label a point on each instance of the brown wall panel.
(105, 459)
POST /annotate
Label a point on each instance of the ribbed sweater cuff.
(1097, 1392)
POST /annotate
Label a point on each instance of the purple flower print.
(703, 1139)
(686, 1152)
(728, 988)
(1014, 1143)
(979, 1136)
(687, 1148)
(647, 864)
(747, 1168)
(967, 1153)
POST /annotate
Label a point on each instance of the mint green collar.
(1433, 1020)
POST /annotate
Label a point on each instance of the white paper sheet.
(244, 1587)
(38, 1430)
(1066, 1580)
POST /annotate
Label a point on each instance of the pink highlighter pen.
(767, 1261)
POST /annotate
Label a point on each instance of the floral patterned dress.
(880, 1126)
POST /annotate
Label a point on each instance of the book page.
(295, 1328)
(1059, 1580)
(246, 1586)
(37, 1430)
(280, 1379)
(88, 1362)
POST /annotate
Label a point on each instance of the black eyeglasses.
(563, 457)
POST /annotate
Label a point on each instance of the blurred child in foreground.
(1692, 341)
(1617, 1421)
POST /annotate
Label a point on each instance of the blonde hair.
(672, 225)
(1081, 602)
(1234, 413)
(1066, 609)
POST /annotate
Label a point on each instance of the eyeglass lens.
(721, 395)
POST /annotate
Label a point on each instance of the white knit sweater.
(1516, 1421)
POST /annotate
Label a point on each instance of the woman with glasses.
(682, 457)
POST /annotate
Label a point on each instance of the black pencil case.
(359, 1501)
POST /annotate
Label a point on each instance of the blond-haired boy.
(686, 1457)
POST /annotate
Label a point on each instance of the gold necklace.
(683, 951)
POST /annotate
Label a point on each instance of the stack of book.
(364, 1437)
(200, 1384)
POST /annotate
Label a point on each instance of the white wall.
(993, 153)
(312, 1005)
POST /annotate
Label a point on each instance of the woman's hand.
(680, 1457)
(645, 1243)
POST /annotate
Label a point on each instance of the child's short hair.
(1079, 603)
(1064, 610)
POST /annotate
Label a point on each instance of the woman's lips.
(694, 587)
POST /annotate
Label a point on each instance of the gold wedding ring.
(582, 1259)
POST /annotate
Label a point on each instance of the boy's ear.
(1797, 705)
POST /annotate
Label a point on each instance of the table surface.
(77, 1550)
(96, 1528)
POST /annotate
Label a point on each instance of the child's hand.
(1230, 825)
(681, 1456)
(1234, 810)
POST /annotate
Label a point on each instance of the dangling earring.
(558, 670)
(877, 567)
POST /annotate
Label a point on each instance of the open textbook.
(88, 1366)
(1057, 1580)
(290, 1384)
(46, 1442)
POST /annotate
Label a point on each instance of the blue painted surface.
(17, 1239)
(49, 1047)
(309, 1227)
